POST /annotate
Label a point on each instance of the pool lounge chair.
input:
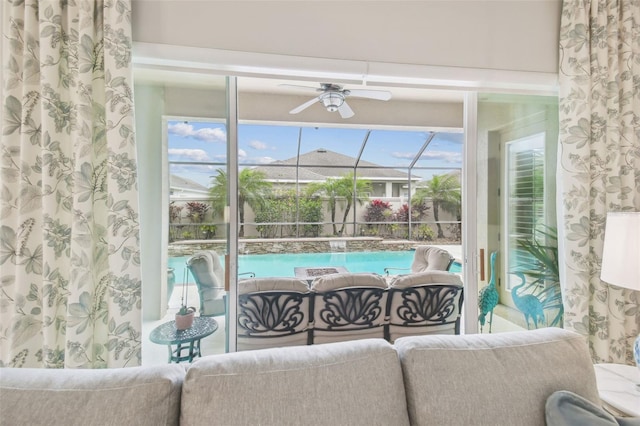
(427, 258)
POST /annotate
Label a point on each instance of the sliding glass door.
(182, 133)
(516, 205)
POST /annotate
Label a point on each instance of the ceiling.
(272, 85)
(262, 85)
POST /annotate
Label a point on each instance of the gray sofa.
(496, 379)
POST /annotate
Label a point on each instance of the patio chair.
(273, 312)
(428, 258)
(208, 274)
(348, 307)
(424, 303)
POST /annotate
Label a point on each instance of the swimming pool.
(282, 265)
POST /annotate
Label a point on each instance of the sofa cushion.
(492, 379)
(134, 396)
(351, 383)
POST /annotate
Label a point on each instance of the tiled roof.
(178, 182)
(331, 164)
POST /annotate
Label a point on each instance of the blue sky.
(195, 141)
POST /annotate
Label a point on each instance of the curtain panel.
(599, 164)
(70, 291)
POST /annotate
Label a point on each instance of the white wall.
(501, 35)
(149, 109)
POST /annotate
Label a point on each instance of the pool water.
(282, 265)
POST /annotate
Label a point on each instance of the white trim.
(231, 322)
(236, 63)
(469, 213)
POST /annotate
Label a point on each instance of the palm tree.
(337, 189)
(444, 191)
(362, 190)
(253, 190)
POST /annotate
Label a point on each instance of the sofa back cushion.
(133, 396)
(351, 383)
(492, 379)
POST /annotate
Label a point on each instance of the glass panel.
(524, 184)
(263, 144)
(517, 144)
(393, 148)
(187, 113)
(332, 208)
(330, 146)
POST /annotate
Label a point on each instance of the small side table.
(185, 340)
(617, 388)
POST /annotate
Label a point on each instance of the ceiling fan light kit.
(333, 97)
(332, 100)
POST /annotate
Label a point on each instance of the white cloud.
(265, 160)
(446, 156)
(242, 153)
(190, 154)
(404, 155)
(206, 134)
(259, 145)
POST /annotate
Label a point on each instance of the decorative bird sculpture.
(488, 298)
(528, 304)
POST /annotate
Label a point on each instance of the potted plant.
(545, 275)
(184, 317)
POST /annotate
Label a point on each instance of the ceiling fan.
(333, 97)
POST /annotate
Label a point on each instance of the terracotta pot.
(184, 322)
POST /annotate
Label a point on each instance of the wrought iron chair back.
(273, 312)
(349, 314)
(424, 309)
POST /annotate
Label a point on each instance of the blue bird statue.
(488, 298)
(528, 304)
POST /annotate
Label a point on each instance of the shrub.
(196, 211)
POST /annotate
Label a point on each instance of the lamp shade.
(621, 253)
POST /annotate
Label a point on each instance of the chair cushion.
(427, 277)
(336, 281)
(207, 269)
(253, 285)
(131, 396)
(430, 258)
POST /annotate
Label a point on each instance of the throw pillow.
(564, 408)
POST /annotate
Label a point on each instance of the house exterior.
(321, 164)
(183, 188)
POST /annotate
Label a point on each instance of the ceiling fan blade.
(305, 105)
(295, 86)
(345, 110)
(381, 95)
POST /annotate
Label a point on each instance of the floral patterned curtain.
(69, 249)
(599, 168)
